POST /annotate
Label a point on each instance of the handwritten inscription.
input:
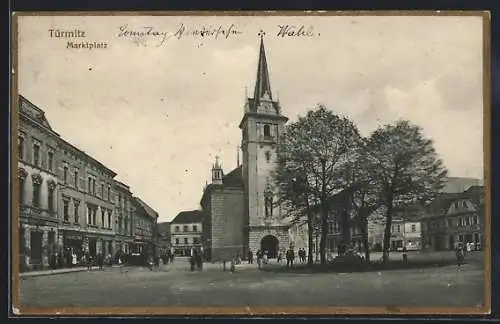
(296, 31)
(143, 34)
(75, 39)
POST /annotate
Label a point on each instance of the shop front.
(73, 246)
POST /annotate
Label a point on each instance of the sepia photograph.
(250, 163)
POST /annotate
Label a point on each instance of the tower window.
(268, 156)
(267, 130)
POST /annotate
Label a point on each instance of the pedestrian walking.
(290, 256)
(459, 255)
(120, 264)
(405, 256)
(259, 259)
(250, 257)
(100, 261)
(192, 262)
(280, 257)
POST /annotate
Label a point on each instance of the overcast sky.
(159, 114)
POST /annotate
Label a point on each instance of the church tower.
(261, 126)
(217, 173)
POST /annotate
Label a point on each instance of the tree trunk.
(364, 233)
(324, 214)
(387, 232)
(310, 260)
(346, 225)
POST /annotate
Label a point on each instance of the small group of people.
(302, 255)
(62, 259)
(461, 251)
(89, 260)
(262, 258)
(167, 257)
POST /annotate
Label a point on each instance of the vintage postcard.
(251, 163)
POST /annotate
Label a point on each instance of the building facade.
(407, 234)
(86, 222)
(124, 209)
(222, 236)
(186, 231)
(455, 218)
(244, 202)
(261, 127)
(68, 202)
(145, 219)
(37, 186)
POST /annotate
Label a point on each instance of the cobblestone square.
(177, 286)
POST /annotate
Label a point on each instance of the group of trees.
(325, 166)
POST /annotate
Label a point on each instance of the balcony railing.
(31, 211)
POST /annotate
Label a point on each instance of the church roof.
(189, 216)
(233, 178)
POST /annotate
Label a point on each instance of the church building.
(240, 209)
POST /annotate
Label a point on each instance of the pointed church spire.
(262, 84)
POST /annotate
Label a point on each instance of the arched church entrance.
(270, 244)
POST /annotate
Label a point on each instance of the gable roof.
(442, 203)
(150, 211)
(189, 216)
(34, 113)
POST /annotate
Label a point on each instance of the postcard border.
(246, 310)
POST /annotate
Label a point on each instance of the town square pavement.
(175, 285)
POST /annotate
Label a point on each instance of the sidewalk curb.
(23, 275)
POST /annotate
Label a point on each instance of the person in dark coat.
(290, 256)
(405, 255)
(100, 261)
(250, 257)
(60, 260)
(192, 261)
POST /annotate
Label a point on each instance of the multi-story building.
(455, 218)
(124, 208)
(67, 199)
(86, 203)
(186, 231)
(406, 233)
(145, 219)
(222, 238)
(37, 186)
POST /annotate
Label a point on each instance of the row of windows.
(195, 240)
(450, 222)
(71, 213)
(37, 193)
(185, 228)
(464, 204)
(397, 228)
(36, 158)
(91, 184)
